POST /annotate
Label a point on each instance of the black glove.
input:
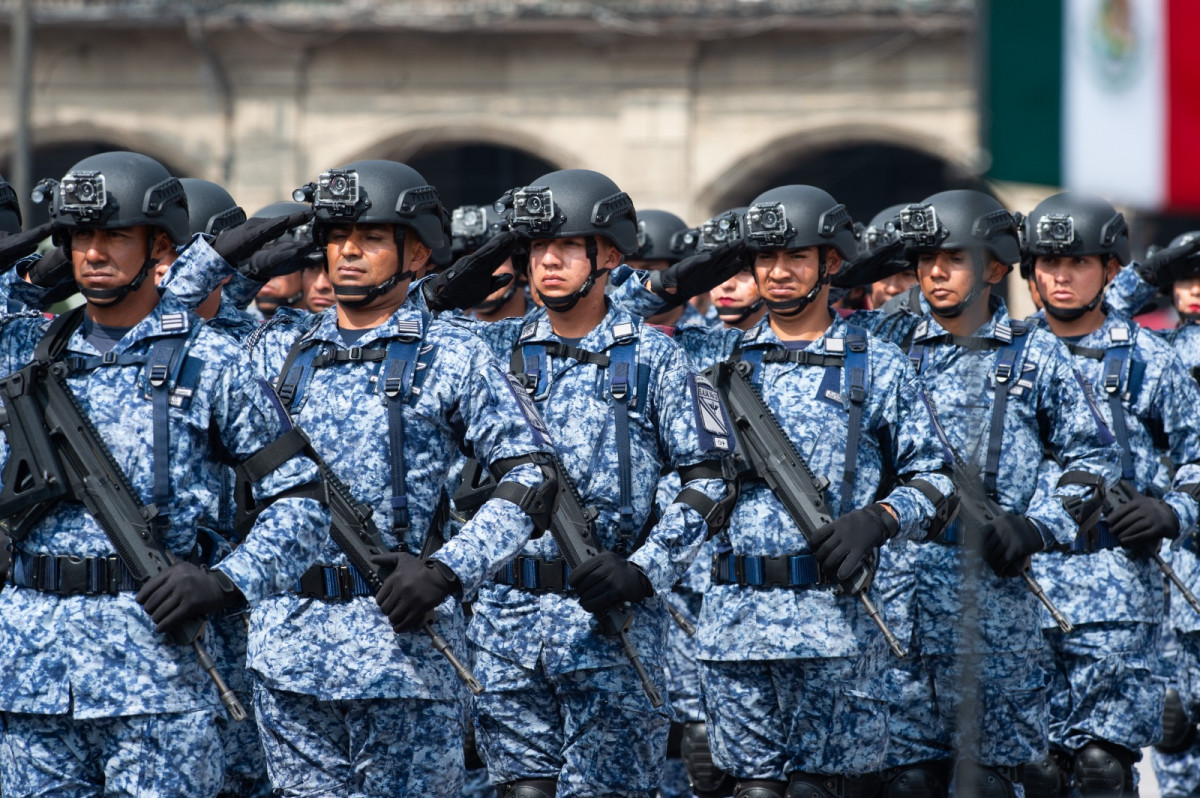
(237, 244)
(1008, 541)
(19, 245)
(277, 258)
(1158, 265)
(185, 591)
(698, 273)
(1142, 523)
(842, 545)
(879, 265)
(51, 269)
(608, 580)
(412, 589)
(469, 280)
(5, 556)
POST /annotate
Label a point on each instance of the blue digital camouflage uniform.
(329, 669)
(1104, 681)
(791, 677)
(1178, 774)
(922, 583)
(83, 659)
(561, 700)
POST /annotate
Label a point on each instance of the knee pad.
(1178, 730)
(1104, 769)
(984, 781)
(812, 785)
(922, 780)
(760, 788)
(531, 788)
(1047, 778)
(706, 779)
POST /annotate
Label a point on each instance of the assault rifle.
(571, 527)
(356, 534)
(56, 453)
(976, 509)
(769, 453)
(1123, 493)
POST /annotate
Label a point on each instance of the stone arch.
(847, 155)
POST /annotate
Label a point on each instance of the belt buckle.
(72, 575)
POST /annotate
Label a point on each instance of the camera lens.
(87, 191)
(1058, 231)
(471, 218)
(917, 220)
(338, 186)
(770, 219)
(533, 204)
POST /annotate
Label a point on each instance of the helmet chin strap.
(115, 295)
(1070, 314)
(734, 316)
(794, 307)
(562, 304)
(357, 296)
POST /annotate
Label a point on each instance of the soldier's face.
(738, 291)
(318, 291)
(107, 259)
(947, 276)
(559, 267)
(785, 274)
(362, 255)
(1187, 295)
(1071, 281)
(888, 287)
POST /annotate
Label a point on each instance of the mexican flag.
(1095, 95)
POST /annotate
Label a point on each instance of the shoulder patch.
(711, 421)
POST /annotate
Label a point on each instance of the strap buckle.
(158, 374)
(1003, 372)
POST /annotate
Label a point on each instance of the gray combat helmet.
(472, 226)
(573, 203)
(960, 219)
(877, 256)
(10, 209)
(376, 192)
(663, 236)
(1073, 224)
(791, 217)
(113, 190)
(211, 209)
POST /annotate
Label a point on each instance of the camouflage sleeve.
(500, 423)
(1128, 292)
(1078, 437)
(918, 455)
(1177, 397)
(17, 294)
(289, 534)
(196, 273)
(692, 430)
(627, 287)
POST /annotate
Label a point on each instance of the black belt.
(536, 575)
(332, 583)
(68, 575)
(784, 570)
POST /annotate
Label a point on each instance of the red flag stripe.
(1183, 104)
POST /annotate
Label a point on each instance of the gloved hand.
(1158, 265)
(608, 580)
(1008, 541)
(882, 263)
(412, 589)
(277, 258)
(698, 273)
(237, 244)
(185, 591)
(51, 269)
(5, 556)
(470, 279)
(1143, 522)
(842, 545)
(20, 245)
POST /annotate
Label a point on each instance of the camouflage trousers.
(593, 730)
(769, 719)
(369, 747)
(1006, 719)
(245, 770)
(1103, 685)
(1179, 774)
(137, 755)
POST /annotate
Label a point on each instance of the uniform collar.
(617, 327)
(170, 317)
(407, 323)
(762, 336)
(998, 327)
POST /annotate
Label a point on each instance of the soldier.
(563, 709)
(98, 699)
(285, 288)
(790, 666)
(1105, 695)
(472, 226)
(972, 687)
(894, 275)
(352, 696)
